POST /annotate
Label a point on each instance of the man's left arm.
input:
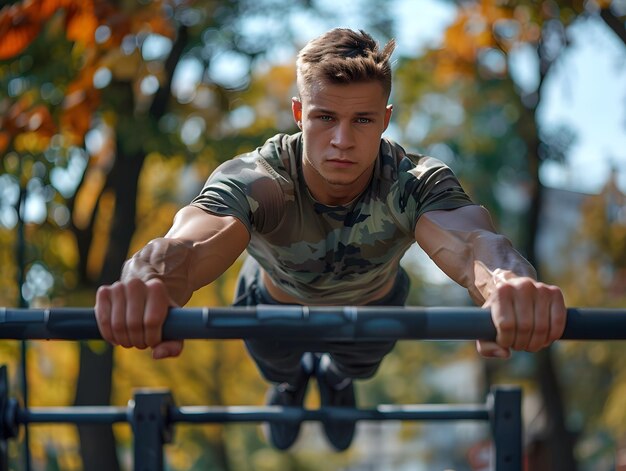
(528, 315)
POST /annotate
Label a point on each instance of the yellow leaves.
(98, 248)
(30, 127)
(458, 39)
(475, 32)
(125, 67)
(30, 142)
(87, 198)
(52, 367)
(614, 414)
(64, 247)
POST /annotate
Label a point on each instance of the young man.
(326, 214)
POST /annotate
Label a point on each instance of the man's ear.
(296, 110)
(388, 113)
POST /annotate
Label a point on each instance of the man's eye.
(325, 118)
(363, 120)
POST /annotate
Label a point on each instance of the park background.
(113, 113)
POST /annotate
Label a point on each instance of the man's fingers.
(558, 316)
(524, 307)
(492, 350)
(541, 329)
(103, 312)
(503, 317)
(168, 349)
(156, 309)
(135, 292)
(528, 315)
(132, 313)
(118, 315)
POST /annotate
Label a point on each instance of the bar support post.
(506, 427)
(149, 418)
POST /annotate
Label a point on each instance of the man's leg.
(280, 362)
(346, 361)
(360, 360)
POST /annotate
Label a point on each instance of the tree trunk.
(97, 442)
(559, 441)
(94, 383)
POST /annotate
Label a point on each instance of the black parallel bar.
(201, 414)
(239, 414)
(74, 415)
(308, 322)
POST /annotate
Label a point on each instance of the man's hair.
(344, 56)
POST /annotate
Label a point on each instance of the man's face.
(341, 126)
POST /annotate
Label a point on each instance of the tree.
(478, 112)
(76, 132)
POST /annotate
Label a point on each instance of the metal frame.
(361, 323)
(152, 413)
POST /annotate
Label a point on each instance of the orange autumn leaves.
(21, 23)
(26, 123)
(480, 27)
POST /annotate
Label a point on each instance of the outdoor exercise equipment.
(153, 413)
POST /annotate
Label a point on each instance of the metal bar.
(506, 426)
(197, 414)
(74, 415)
(238, 414)
(307, 322)
(151, 428)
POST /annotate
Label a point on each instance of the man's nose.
(343, 136)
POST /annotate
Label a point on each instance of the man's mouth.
(340, 162)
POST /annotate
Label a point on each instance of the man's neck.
(331, 194)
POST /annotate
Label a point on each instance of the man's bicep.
(194, 224)
(449, 238)
(451, 229)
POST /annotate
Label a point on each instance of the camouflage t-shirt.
(323, 254)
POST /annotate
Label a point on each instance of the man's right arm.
(196, 250)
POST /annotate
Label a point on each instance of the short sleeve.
(244, 188)
(427, 184)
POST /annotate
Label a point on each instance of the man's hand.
(131, 314)
(197, 249)
(528, 315)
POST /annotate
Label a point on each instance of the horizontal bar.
(239, 414)
(307, 323)
(73, 415)
(199, 414)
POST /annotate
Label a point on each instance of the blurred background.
(113, 114)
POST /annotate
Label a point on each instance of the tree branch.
(614, 23)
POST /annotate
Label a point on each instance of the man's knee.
(360, 360)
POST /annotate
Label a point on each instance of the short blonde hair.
(344, 56)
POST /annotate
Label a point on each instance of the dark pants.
(279, 360)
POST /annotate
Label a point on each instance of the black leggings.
(279, 360)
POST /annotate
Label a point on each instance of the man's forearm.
(465, 245)
(495, 260)
(166, 259)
